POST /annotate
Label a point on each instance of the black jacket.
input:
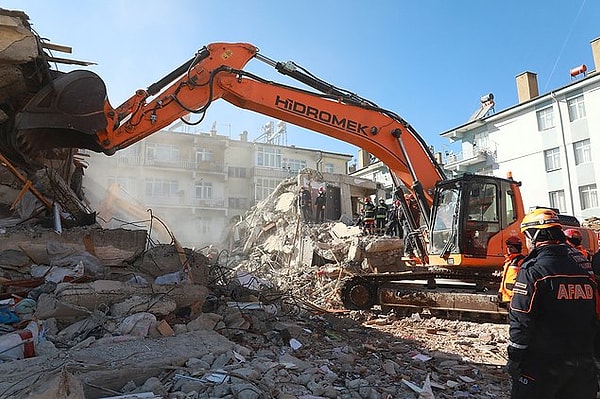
(321, 198)
(553, 309)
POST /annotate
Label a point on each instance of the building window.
(264, 187)
(204, 154)
(576, 108)
(238, 203)
(267, 156)
(557, 200)
(293, 165)
(329, 168)
(162, 152)
(233, 171)
(161, 188)
(583, 152)
(204, 225)
(588, 195)
(552, 158)
(545, 118)
(204, 190)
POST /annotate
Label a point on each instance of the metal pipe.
(57, 222)
(564, 145)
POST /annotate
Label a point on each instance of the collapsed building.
(90, 287)
(92, 295)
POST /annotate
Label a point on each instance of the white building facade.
(549, 142)
(198, 184)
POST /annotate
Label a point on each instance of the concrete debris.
(307, 261)
(262, 320)
(100, 313)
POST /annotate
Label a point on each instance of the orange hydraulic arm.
(216, 72)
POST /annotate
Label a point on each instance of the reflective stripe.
(515, 345)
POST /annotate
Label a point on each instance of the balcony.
(181, 164)
(179, 201)
(210, 166)
(209, 203)
(273, 173)
(469, 161)
(131, 160)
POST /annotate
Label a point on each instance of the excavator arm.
(216, 72)
(468, 218)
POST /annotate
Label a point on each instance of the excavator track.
(442, 293)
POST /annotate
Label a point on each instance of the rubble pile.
(308, 262)
(592, 223)
(94, 313)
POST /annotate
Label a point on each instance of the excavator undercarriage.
(447, 294)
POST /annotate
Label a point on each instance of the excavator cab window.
(445, 219)
(482, 217)
(465, 216)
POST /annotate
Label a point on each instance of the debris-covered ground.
(92, 313)
(87, 312)
(260, 318)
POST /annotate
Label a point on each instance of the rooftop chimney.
(596, 53)
(527, 86)
(244, 136)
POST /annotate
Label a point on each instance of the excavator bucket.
(67, 113)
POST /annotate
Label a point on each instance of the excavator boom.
(468, 218)
(216, 73)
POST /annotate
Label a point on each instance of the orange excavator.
(468, 218)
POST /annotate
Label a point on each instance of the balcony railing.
(209, 202)
(180, 201)
(183, 164)
(270, 172)
(463, 159)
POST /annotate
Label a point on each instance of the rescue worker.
(320, 205)
(368, 216)
(409, 239)
(393, 224)
(552, 317)
(305, 202)
(512, 263)
(381, 213)
(574, 239)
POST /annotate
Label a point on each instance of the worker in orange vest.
(512, 263)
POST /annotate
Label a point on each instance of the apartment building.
(550, 142)
(197, 184)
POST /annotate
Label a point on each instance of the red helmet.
(321, 189)
(573, 233)
(367, 199)
(397, 202)
(574, 236)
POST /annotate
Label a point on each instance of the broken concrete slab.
(164, 259)
(105, 368)
(72, 299)
(111, 247)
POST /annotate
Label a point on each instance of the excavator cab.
(471, 216)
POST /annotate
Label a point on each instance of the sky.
(428, 61)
